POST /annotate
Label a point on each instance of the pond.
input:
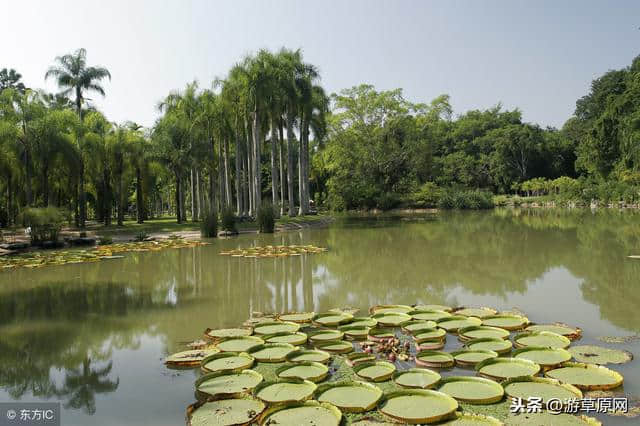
(94, 335)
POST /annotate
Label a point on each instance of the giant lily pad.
(501, 346)
(547, 418)
(227, 361)
(285, 391)
(325, 335)
(363, 322)
(378, 371)
(414, 326)
(296, 338)
(309, 413)
(472, 419)
(381, 309)
(312, 371)
(380, 334)
(335, 346)
(305, 355)
(271, 352)
(239, 344)
(481, 332)
(299, 317)
(222, 333)
(430, 334)
(226, 384)
(508, 322)
(538, 387)
(355, 358)
(475, 312)
(428, 314)
(506, 368)
(545, 357)
(586, 376)
(350, 397)
(545, 339)
(224, 412)
(332, 319)
(474, 390)
(355, 332)
(190, 358)
(416, 406)
(391, 319)
(276, 327)
(572, 333)
(430, 345)
(470, 357)
(436, 359)
(455, 322)
(433, 307)
(416, 378)
(599, 355)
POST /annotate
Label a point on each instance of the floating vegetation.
(599, 355)
(350, 396)
(239, 344)
(235, 411)
(482, 332)
(323, 414)
(227, 361)
(546, 389)
(273, 251)
(355, 358)
(190, 358)
(271, 352)
(295, 338)
(508, 322)
(378, 371)
(324, 335)
(506, 368)
(299, 317)
(381, 309)
(276, 327)
(226, 385)
(363, 322)
(414, 326)
(586, 376)
(381, 334)
(501, 346)
(306, 355)
(416, 406)
(332, 319)
(390, 319)
(619, 339)
(285, 391)
(471, 357)
(417, 378)
(308, 370)
(357, 332)
(546, 339)
(474, 390)
(544, 357)
(546, 418)
(475, 312)
(455, 322)
(436, 359)
(38, 259)
(429, 315)
(335, 346)
(433, 308)
(430, 335)
(222, 333)
(572, 333)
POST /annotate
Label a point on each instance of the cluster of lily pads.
(274, 251)
(38, 259)
(339, 368)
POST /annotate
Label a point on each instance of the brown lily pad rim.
(249, 361)
(358, 332)
(381, 334)
(441, 334)
(264, 417)
(357, 357)
(574, 335)
(336, 335)
(344, 319)
(300, 321)
(196, 405)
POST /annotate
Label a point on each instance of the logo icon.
(11, 414)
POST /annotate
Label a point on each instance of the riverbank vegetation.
(268, 132)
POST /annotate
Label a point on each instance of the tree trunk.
(281, 164)
(120, 198)
(45, 184)
(275, 194)
(194, 203)
(227, 181)
(139, 198)
(305, 166)
(239, 197)
(290, 167)
(257, 142)
(250, 171)
(301, 169)
(82, 196)
(178, 212)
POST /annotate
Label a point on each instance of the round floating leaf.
(391, 319)
(297, 338)
(507, 368)
(226, 385)
(312, 371)
(350, 397)
(414, 326)
(417, 378)
(310, 412)
(455, 322)
(325, 335)
(236, 411)
(428, 315)
(416, 406)
(378, 371)
(528, 387)
(355, 332)
(436, 359)
(271, 352)
(336, 346)
(363, 322)
(545, 339)
(299, 317)
(501, 346)
(472, 419)
(239, 344)
(429, 345)
(222, 333)
(572, 333)
(433, 308)
(381, 309)
(470, 357)
(508, 322)
(599, 355)
(190, 358)
(227, 361)
(586, 376)
(306, 355)
(346, 309)
(547, 418)
(331, 319)
(429, 334)
(355, 358)
(475, 312)
(482, 332)
(285, 391)
(276, 327)
(379, 334)
(545, 357)
(474, 390)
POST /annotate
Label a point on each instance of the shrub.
(228, 220)
(141, 236)
(103, 241)
(428, 195)
(4, 218)
(266, 218)
(209, 224)
(387, 201)
(466, 199)
(45, 223)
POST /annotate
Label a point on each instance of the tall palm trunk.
(304, 153)
(81, 190)
(301, 210)
(275, 195)
(238, 167)
(227, 181)
(178, 197)
(139, 196)
(120, 200)
(290, 166)
(45, 183)
(194, 200)
(257, 175)
(250, 170)
(281, 164)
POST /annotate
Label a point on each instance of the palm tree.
(74, 76)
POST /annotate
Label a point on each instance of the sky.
(538, 56)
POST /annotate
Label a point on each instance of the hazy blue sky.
(539, 56)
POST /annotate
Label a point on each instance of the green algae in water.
(545, 339)
(455, 322)
(419, 378)
(271, 352)
(375, 371)
(312, 371)
(586, 376)
(470, 357)
(276, 327)
(225, 412)
(545, 357)
(285, 391)
(506, 368)
(305, 355)
(490, 344)
(474, 390)
(599, 355)
(239, 344)
(352, 397)
(418, 406)
(223, 384)
(227, 361)
(546, 418)
(482, 332)
(309, 413)
(528, 387)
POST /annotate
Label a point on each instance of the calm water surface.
(94, 335)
